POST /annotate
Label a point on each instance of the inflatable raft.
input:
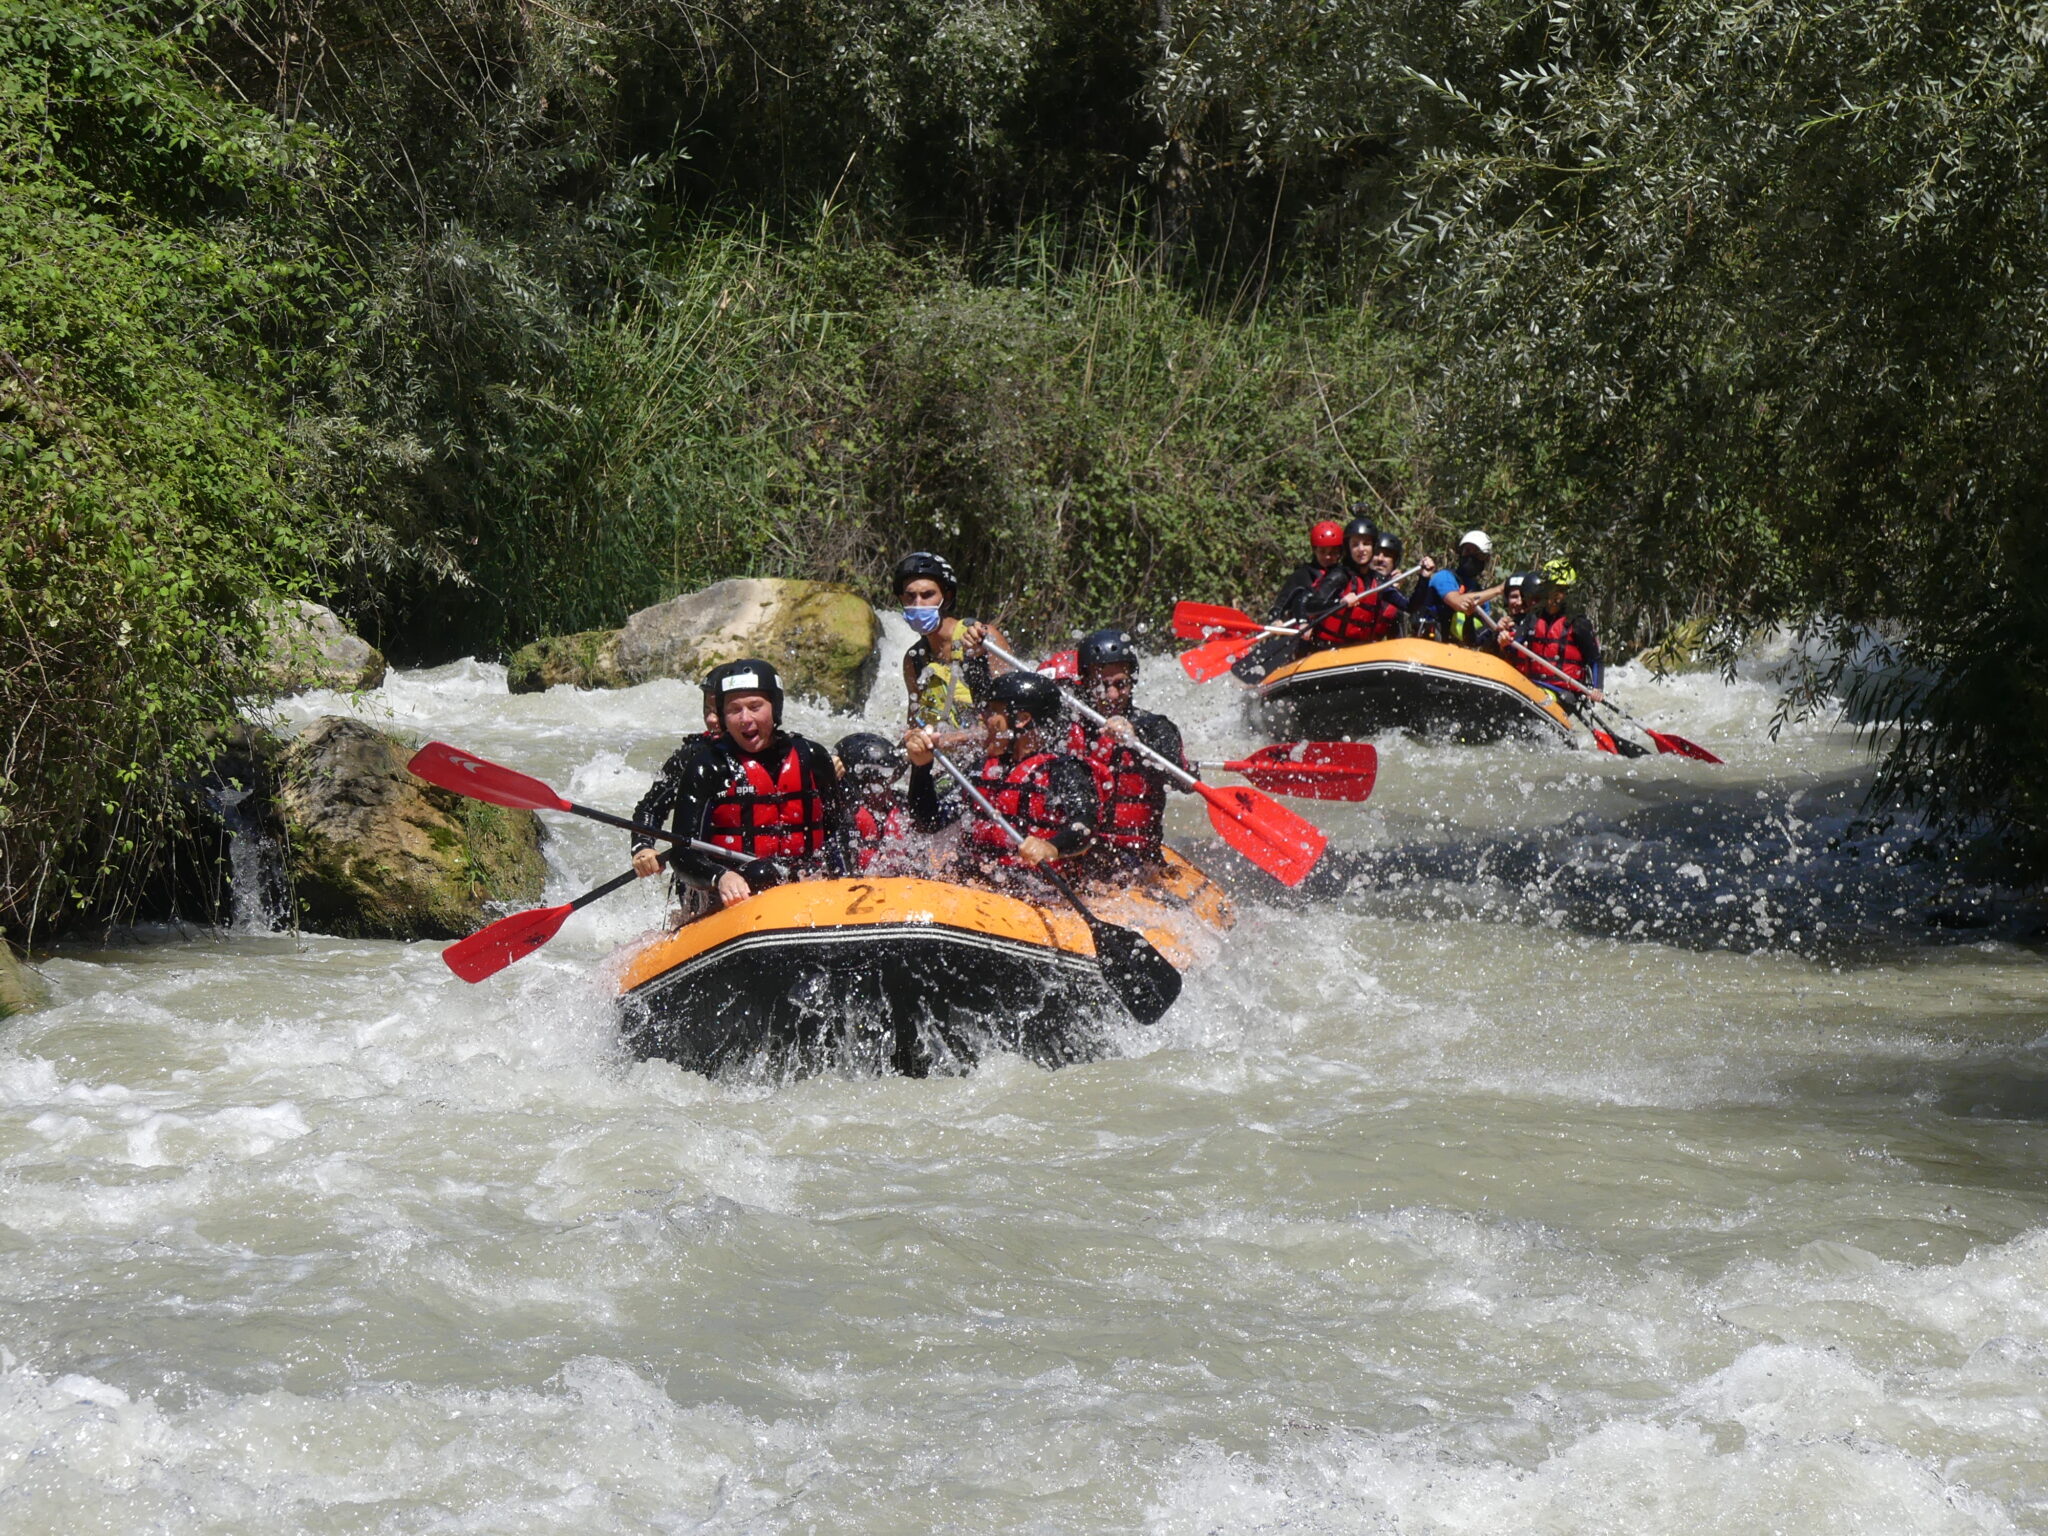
(910, 975)
(1426, 688)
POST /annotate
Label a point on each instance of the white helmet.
(1478, 540)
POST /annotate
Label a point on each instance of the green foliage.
(1082, 434)
(142, 460)
(505, 319)
(1754, 303)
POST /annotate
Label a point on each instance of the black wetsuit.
(707, 771)
(1310, 587)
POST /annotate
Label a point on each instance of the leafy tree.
(144, 460)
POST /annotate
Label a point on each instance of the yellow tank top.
(942, 699)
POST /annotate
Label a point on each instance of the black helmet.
(1107, 648)
(1361, 528)
(923, 563)
(871, 761)
(1389, 544)
(749, 675)
(1039, 697)
(1524, 582)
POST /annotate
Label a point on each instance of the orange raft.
(903, 974)
(1424, 687)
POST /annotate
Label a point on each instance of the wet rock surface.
(822, 638)
(18, 989)
(378, 853)
(586, 660)
(307, 646)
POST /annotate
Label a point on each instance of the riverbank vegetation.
(483, 320)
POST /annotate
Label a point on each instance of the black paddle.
(1144, 980)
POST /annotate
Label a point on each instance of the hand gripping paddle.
(1143, 980)
(1236, 632)
(489, 950)
(1281, 843)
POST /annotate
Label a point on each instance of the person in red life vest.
(1367, 607)
(755, 789)
(1515, 606)
(1130, 791)
(1307, 587)
(869, 766)
(1562, 638)
(1314, 584)
(1046, 795)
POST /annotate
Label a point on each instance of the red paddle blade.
(1199, 621)
(1323, 770)
(1209, 661)
(1064, 665)
(1679, 746)
(1603, 740)
(489, 950)
(1264, 831)
(452, 768)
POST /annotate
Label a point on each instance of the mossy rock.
(19, 989)
(378, 853)
(824, 639)
(586, 660)
(307, 646)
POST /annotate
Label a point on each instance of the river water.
(1598, 1146)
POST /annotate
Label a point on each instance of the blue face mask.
(923, 620)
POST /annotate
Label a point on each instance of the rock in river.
(18, 989)
(821, 637)
(586, 660)
(377, 853)
(307, 646)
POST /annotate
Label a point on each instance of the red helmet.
(1326, 535)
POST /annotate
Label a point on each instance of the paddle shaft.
(1274, 832)
(477, 778)
(626, 823)
(988, 809)
(1310, 620)
(1074, 703)
(1300, 626)
(1565, 677)
(598, 891)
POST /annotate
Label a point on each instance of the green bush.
(1081, 435)
(144, 456)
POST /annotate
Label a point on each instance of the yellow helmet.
(1559, 573)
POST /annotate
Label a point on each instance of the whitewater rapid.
(1599, 1146)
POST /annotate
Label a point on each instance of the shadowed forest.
(484, 320)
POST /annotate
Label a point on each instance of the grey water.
(1594, 1146)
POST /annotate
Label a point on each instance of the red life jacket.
(873, 832)
(1376, 618)
(1517, 656)
(1019, 793)
(767, 815)
(1556, 640)
(1131, 792)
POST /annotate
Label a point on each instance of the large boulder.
(18, 989)
(377, 853)
(823, 639)
(307, 646)
(586, 660)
